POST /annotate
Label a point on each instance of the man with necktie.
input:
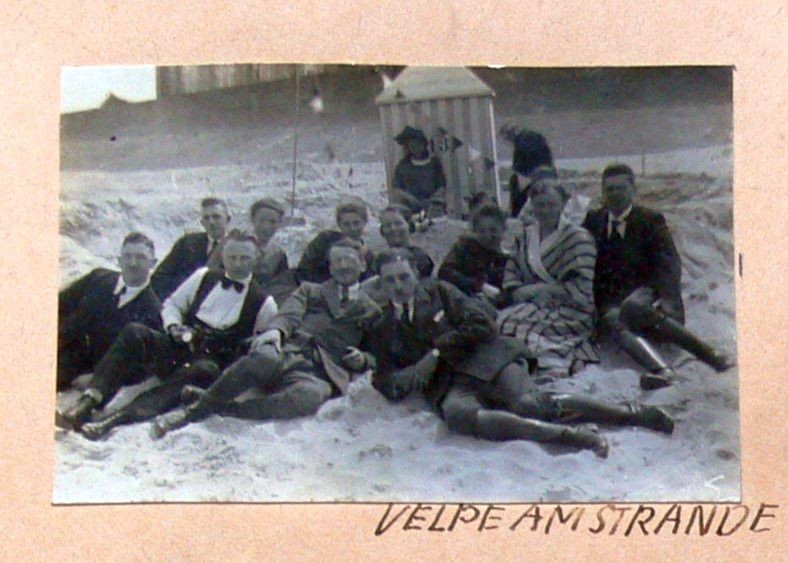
(637, 280)
(194, 250)
(435, 339)
(305, 355)
(207, 319)
(93, 309)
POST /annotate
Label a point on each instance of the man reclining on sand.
(94, 309)
(307, 354)
(433, 338)
(207, 320)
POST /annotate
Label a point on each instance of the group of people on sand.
(231, 329)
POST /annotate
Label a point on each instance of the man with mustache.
(307, 354)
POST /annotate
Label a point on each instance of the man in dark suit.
(207, 319)
(434, 338)
(637, 279)
(351, 217)
(93, 310)
(307, 353)
(193, 250)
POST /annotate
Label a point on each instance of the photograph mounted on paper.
(348, 283)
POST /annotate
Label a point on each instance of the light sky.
(86, 87)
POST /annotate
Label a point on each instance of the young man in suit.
(637, 280)
(431, 337)
(351, 217)
(476, 262)
(271, 269)
(395, 229)
(207, 319)
(307, 353)
(93, 310)
(194, 250)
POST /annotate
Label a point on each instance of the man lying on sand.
(306, 355)
(637, 280)
(93, 310)
(435, 339)
(207, 318)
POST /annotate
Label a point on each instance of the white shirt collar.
(411, 306)
(130, 293)
(245, 281)
(353, 291)
(622, 219)
(420, 162)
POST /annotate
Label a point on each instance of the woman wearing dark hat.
(531, 154)
(418, 176)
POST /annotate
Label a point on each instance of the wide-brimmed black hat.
(410, 133)
(530, 150)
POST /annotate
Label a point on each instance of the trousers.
(289, 386)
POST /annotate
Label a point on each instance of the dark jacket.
(443, 318)
(189, 253)
(272, 273)
(89, 319)
(312, 320)
(646, 256)
(313, 266)
(421, 182)
(469, 265)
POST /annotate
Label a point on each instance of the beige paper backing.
(38, 38)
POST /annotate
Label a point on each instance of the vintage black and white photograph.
(355, 283)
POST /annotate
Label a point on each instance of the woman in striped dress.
(550, 280)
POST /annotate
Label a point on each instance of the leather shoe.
(100, 429)
(168, 422)
(654, 418)
(191, 394)
(74, 417)
(657, 380)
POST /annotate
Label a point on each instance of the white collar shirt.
(126, 293)
(220, 309)
(622, 222)
(399, 306)
(353, 291)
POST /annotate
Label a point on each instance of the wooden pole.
(295, 141)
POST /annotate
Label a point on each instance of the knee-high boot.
(575, 407)
(502, 426)
(639, 349)
(675, 332)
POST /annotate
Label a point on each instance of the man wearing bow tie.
(93, 310)
(306, 354)
(207, 319)
(637, 280)
(194, 250)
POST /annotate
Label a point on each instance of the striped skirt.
(556, 334)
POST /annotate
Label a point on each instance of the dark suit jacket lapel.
(425, 308)
(330, 292)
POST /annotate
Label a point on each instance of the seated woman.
(476, 262)
(418, 176)
(550, 280)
